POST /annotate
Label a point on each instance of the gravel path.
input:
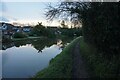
(79, 68)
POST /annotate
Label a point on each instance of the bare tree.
(67, 10)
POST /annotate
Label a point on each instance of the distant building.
(6, 29)
(17, 29)
(26, 28)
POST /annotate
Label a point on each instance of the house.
(17, 29)
(26, 28)
(6, 29)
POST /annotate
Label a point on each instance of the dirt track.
(79, 68)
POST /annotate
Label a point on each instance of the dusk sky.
(25, 12)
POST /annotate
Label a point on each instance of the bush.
(31, 34)
(102, 29)
(40, 30)
(71, 32)
(19, 35)
(100, 65)
(6, 40)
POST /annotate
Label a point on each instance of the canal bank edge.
(61, 65)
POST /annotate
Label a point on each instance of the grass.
(100, 65)
(61, 65)
(14, 39)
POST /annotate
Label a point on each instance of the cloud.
(30, 0)
(3, 19)
(7, 19)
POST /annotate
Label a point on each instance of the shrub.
(102, 29)
(71, 32)
(19, 35)
(6, 40)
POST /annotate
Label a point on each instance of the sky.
(25, 12)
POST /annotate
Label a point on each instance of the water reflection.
(0, 64)
(38, 44)
(24, 58)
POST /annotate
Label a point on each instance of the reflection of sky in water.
(0, 64)
(25, 61)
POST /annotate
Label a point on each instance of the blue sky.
(25, 11)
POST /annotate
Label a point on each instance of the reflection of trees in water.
(22, 42)
(42, 43)
(39, 44)
(64, 41)
(15, 43)
(7, 45)
(39, 51)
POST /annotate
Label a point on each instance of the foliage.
(19, 35)
(63, 24)
(6, 40)
(101, 26)
(99, 21)
(40, 30)
(100, 65)
(30, 34)
(71, 31)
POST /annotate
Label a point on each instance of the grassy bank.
(101, 65)
(61, 65)
(14, 39)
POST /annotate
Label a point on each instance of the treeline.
(101, 26)
(40, 30)
(100, 45)
(52, 32)
(100, 22)
(70, 32)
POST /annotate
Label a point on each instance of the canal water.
(24, 58)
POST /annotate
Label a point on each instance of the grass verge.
(17, 39)
(61, 65)
(100, 65)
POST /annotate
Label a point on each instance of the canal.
(24, 58)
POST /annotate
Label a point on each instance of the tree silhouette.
(99, 21)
